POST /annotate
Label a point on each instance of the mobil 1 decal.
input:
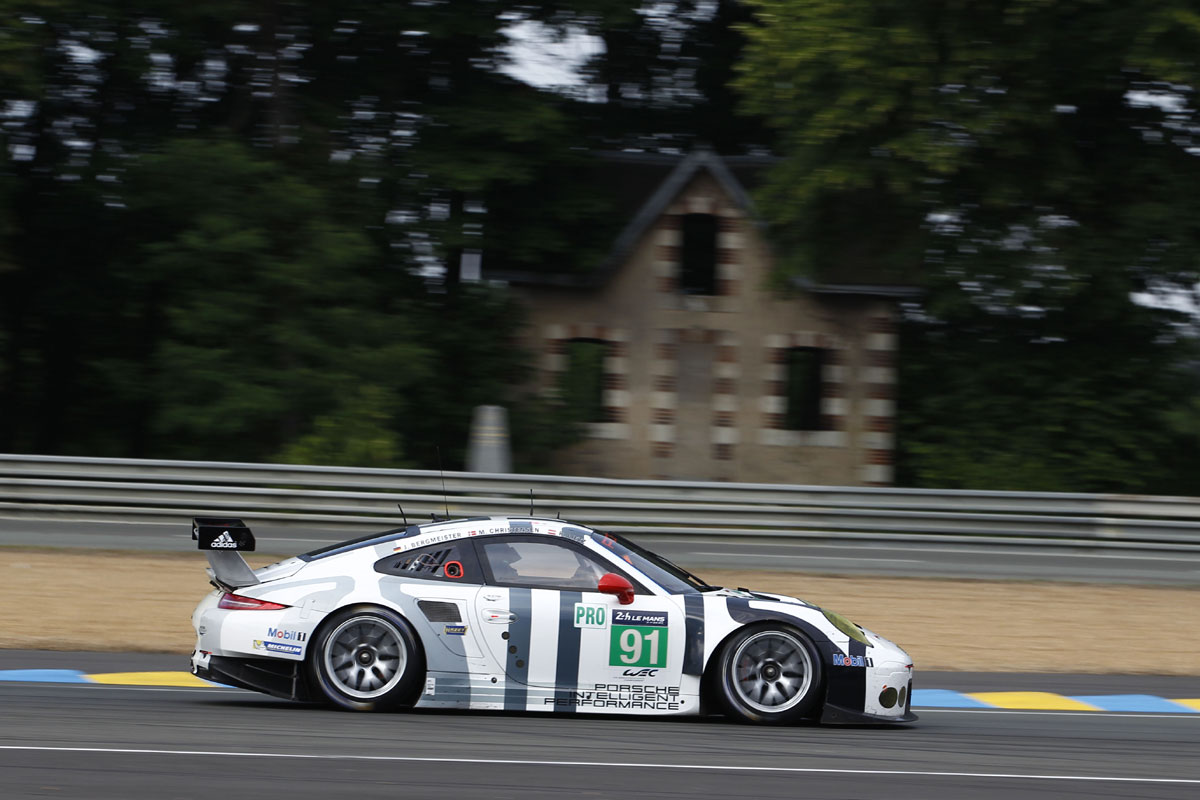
(638, 639)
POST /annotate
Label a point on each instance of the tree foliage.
(234, 228)
(270, 305)
(1029, 164)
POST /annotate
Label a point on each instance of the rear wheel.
(367, 660)
(770, 675)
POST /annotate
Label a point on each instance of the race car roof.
(371, 539)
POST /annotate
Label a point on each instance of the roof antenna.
(445, 497)
(531, 502)
(403, 514)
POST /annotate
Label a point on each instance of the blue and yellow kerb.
(1049, 701)
(185, 679)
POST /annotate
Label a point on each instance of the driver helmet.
(501, 557)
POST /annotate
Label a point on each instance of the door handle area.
(498, 616)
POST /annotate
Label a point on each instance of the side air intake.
(439, 611)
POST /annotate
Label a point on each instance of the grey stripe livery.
(516, 693)
(566, 672)
(693, 654)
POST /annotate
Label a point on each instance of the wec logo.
(639, 673)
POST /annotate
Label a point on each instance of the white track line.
(812, 558)
(615, 764)
(965, 550)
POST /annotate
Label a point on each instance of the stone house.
(702, 371)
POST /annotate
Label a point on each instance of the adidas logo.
(224, 540)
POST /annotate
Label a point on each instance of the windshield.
(673, 578)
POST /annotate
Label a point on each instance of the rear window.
(376, 538)
(361, 541)
(448, 561)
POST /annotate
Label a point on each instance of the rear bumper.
(271, 676)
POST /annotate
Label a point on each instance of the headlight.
(846, 626)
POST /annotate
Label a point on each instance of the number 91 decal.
(638, 639)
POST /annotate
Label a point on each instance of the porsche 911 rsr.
(527, 614)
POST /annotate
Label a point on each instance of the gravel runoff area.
(89, 600)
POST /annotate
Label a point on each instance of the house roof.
(650, 182)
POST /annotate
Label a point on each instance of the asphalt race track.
(102, 741)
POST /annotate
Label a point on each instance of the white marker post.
(488, 449)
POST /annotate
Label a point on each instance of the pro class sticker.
(638, 639)
(591, 616)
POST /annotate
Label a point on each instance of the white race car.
(527, 614)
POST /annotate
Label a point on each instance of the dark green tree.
(1030, 164)
(268, 315)
(662, 81)
(181, 212)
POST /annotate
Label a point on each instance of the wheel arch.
(334, 615)
(361, 605)
(708, 680)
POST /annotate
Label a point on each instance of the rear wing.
(221, 539)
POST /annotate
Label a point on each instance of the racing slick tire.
(768, 674)
(367, 659)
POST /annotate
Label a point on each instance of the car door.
(435, 587)
(560, 640)
(630, 656)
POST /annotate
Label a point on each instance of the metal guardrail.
(105, 489)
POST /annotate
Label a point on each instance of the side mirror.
(612, 583)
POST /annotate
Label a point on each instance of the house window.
(698, 270)
(803, 388)
(583, 380)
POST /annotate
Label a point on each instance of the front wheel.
(367, 660)
(769, 675)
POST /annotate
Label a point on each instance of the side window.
(541, 565)
(448, 561)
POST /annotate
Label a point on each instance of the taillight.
(236, 602)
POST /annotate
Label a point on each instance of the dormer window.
(698, 269)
